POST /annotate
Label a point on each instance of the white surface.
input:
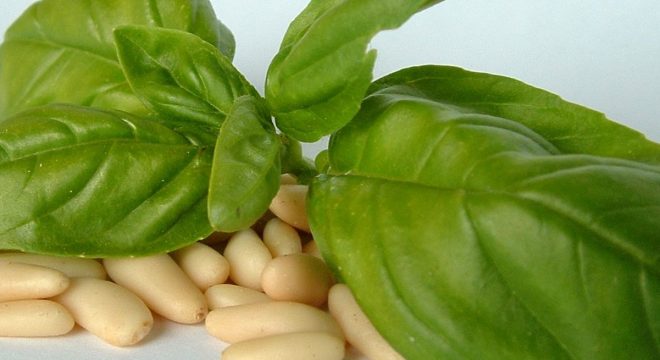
(167, 341)
(604, 54)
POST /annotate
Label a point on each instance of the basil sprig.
(473, 216)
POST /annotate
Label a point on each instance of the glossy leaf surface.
(571, 128)
(316, 82)
(63, 51)
(179, 76)
(84, 182)
(246, 167)
(469, 234)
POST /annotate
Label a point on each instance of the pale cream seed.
(297, 277)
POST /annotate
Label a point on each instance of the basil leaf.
(178, 75)
(466, 234)
(569, 127)
(294, 162)
(317, 80)
(246, 167)
(322, 162)
(63, 51)
(85, 182)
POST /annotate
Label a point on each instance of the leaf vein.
(431, 150)
(73, 194)
(582, 270)
(646, 304)
(388, 273)
(636, 254)
(40, 74)
(150, 194)
(62, 46)
(478, 240)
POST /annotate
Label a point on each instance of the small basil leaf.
(246, 167)
(322, 162)
(293, 161)
(317, 80)
(85, 182)
(481, 238)
(53, 55)
(178, 75)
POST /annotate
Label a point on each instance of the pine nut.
(34, 318)
(358, 329)
(288, 179)
(296, 346)
(70, 266)
(107, 310)
(23, 282)
(289, 205)
(244, 322)
(204, 265)
(312, 248)
(297, 277)
(247, 256)
(162, 285)
(281, 238)
(223, 295)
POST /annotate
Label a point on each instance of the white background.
(604, 54)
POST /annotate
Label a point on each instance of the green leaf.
(178, 75)
(322, 162)
(316, 82)
(569, 127)
(85, 182)
(294, 162)
(63, 51)
(246, 167)
(468, 234)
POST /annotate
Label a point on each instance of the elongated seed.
(24, 281)
(70, 266)
(34, 318)
(297, 277)
(312, 248)
(281, 238)
(295, 346)
(162, 285)
(107, 310)
(356, 326)
(203, 265)
(288, 179)
(223, 295)
(244, 322)
(289, 205)
(247, 256)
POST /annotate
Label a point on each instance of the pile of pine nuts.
(269, 296)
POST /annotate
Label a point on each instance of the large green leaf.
(470, 232)
(179, 76)
(569, 127)
(63, 51)
(316, 82)
(79, 181)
